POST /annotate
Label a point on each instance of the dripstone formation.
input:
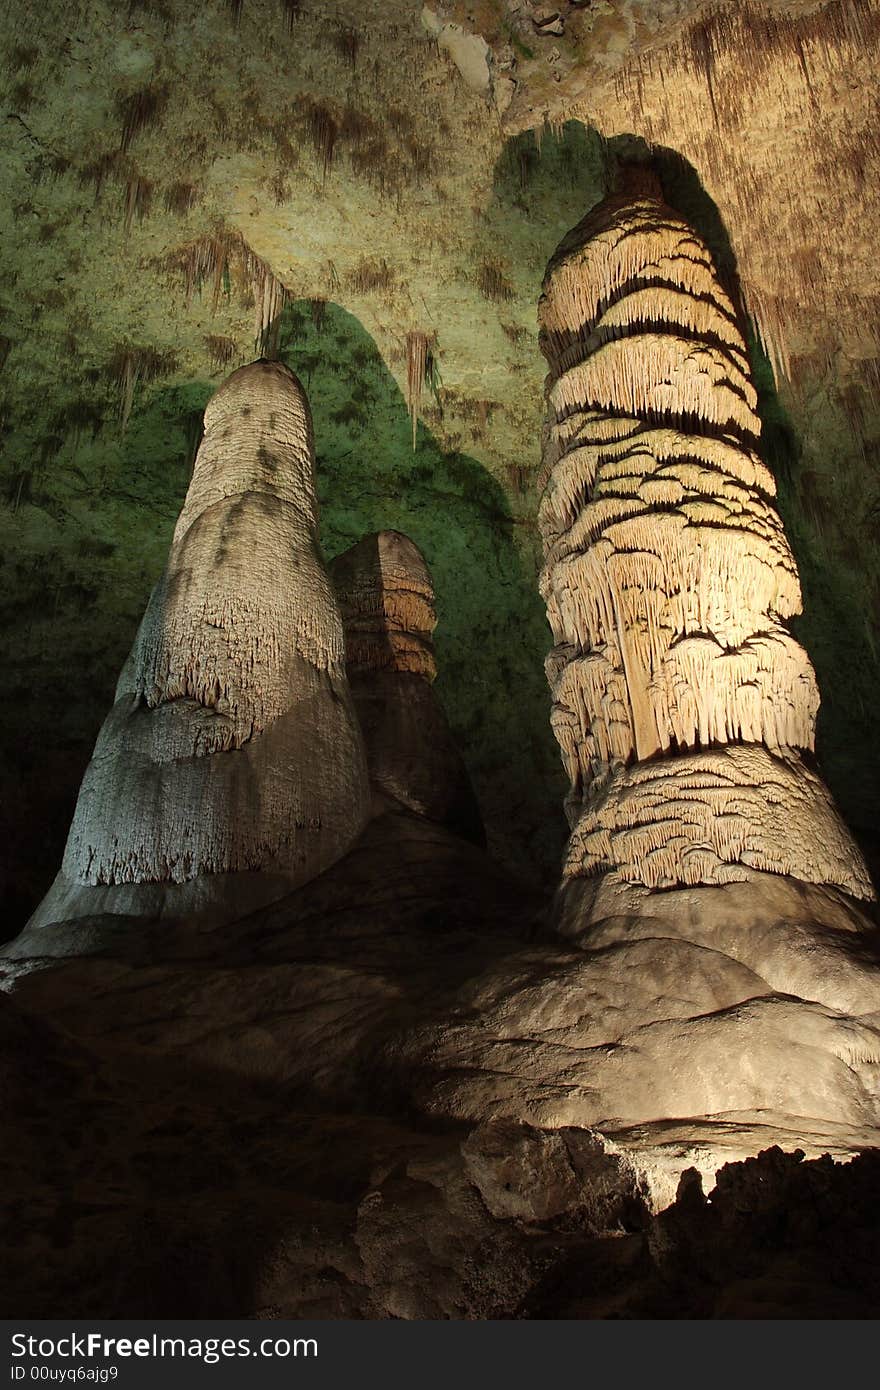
(231, 768)
(684, 709)
(682, 704)
(386, 596)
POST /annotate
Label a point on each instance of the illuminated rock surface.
(243, 1128)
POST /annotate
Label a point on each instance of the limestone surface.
(416, 978)
(206, 1198)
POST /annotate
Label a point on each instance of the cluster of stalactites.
(386, 598)
(667, 577)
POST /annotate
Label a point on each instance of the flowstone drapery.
(231, 766)
(386, 595)
(682, 705)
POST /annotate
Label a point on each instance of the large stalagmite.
(682, 704)
(231, 766)
(386, 596)
(684, 708)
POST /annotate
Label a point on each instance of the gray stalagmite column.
(684, 708)
(231, 767)
(386, 596)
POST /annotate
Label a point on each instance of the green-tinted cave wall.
(85, 524)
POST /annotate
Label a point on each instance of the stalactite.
(418, 351)
(181, 198)
(347, 44)
(139, 111)
(221, 351)
(493, 282)
(681, 703)
(323, 131)
(370, 275)
(216, 260)
(131, 365)
(290, 10)
(138, 196)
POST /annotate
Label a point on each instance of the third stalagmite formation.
(386, 596)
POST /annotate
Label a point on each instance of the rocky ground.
(230, 1124)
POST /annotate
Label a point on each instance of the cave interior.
(468, 1060)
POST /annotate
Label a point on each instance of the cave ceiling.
(356, 187)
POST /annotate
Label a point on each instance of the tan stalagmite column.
(683, 706)
(231, 767)
(386, 596)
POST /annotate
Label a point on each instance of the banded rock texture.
(231, 767)
(386, 595)
(668, 578)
